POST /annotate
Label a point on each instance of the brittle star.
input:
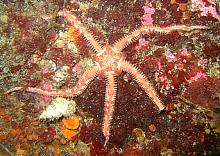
(109, 62)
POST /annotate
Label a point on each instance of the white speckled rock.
(58, 108)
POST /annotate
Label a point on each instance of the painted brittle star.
(110, 62)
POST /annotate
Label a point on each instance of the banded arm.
(82, 29)
(110, 95)
(125, 41)
(81, 85)
(143, 82)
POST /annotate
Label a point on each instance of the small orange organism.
(71, 123)
(70, 126)
(69, 134)
(72, 33)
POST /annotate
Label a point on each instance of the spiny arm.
(82, 29)
(124, 42)
(109, 105)
(81, 85)
(143, 82)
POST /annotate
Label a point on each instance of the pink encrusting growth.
(148, 12)
(170, 56)
(206, 8)
(77, 69)
(142, 43)
(47, 86)
(175, 69)
(109, 62)
(199, 75)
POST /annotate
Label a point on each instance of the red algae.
(211, 51)
(202, 93)
(48, 135)
(58, 55)
(23, 24)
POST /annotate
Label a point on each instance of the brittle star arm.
(124, 42)
(143, 82)
(110, 95)
(81, 85)
(82, 29)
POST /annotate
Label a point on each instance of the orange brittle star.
(109, 63)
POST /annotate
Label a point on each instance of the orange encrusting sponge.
(72, 33)
(70, 126)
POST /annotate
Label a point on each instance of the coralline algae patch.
(177, 70)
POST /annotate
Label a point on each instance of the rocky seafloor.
(40, 49)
